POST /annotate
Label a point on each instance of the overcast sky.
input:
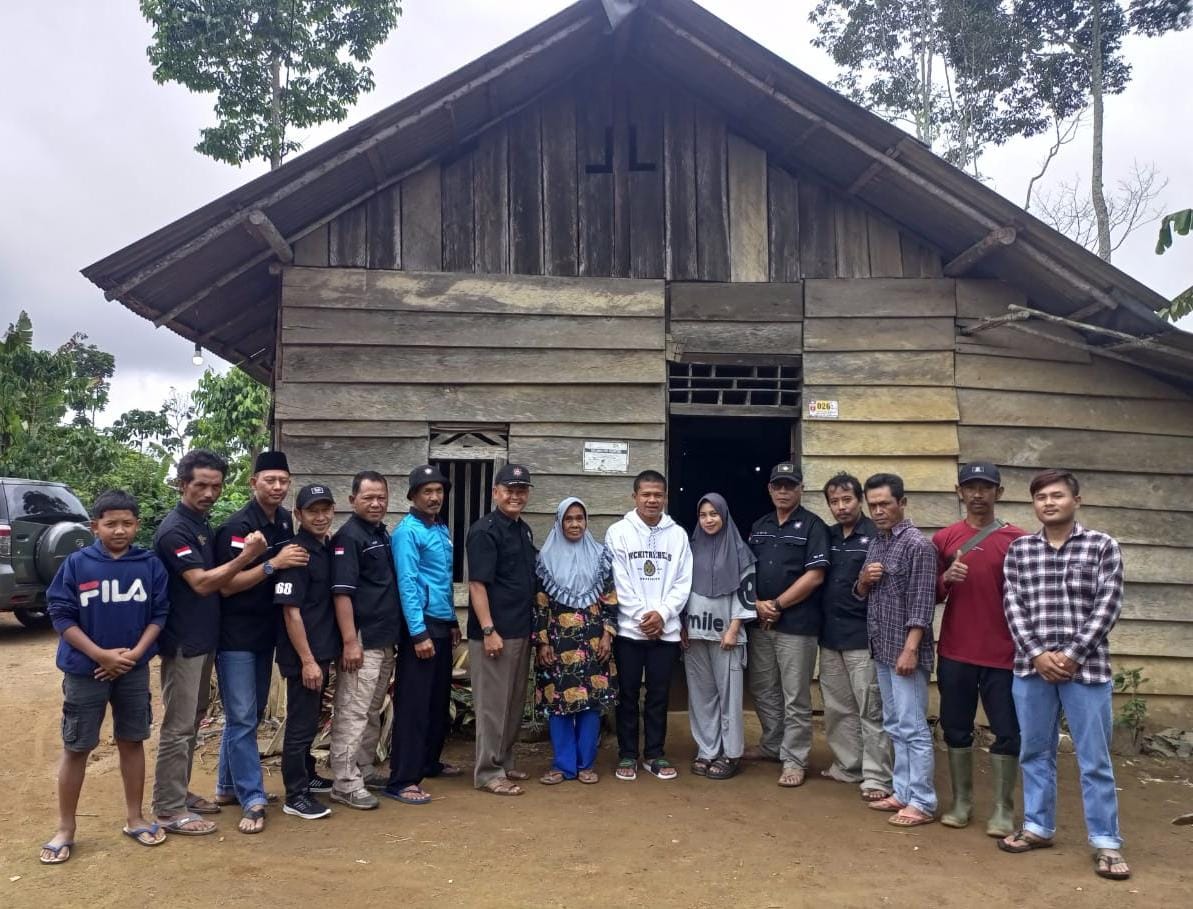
(95, 155)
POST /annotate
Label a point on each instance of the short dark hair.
(200, 459)
(649, 476)
(844, 480)
(1054, 475)
(370, 475)
(892, 481)
(114, 500)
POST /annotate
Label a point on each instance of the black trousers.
(960, 685)
(423, 694)
(303, 707)
(654, 661)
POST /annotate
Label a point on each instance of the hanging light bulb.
(197, 356)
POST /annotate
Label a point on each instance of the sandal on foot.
(1022, 841)
(627, 769)
(1105, 860)
(449, 770)
(184, 825)
(58, 850)
(660, 767)
(910, 817)
(588, 776)
(147, 835)
(876, 795)
(552, 778)
(792, 777)
(270, 798)
(502, 786)
(200, 805)
(700, 767)
(518, 775)
(890, 803)
(723, 768)
(256, 815)
(409, 795)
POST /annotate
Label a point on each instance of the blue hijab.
(572, 573)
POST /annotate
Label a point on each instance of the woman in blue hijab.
(575, 620)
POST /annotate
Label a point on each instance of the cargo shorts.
(85, 700)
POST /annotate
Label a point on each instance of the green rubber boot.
(961, 773)
(1004, 768)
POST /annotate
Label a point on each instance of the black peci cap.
(271, 460)
(979, 470)
(312, 493)
(424, 474)
(786, 471)
(512, 475)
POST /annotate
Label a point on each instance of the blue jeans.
(1088, 712)
(244, 689)
(905, 719)
(574, 739)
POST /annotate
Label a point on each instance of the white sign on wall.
(606, 457)
(823, 410)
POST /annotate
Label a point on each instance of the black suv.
(41, 523)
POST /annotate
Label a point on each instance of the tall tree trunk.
(275, 114)
(1096, 190)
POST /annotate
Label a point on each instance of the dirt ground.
(690, 843)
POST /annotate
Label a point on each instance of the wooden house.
(631, 238)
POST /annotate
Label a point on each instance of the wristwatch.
(487, 630)
(268, 568)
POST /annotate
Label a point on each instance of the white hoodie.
(652, 571)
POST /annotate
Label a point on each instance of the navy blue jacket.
(112, 600)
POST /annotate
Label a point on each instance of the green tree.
(232, 418)
(272, 64)
(1181, 222)
(35, 386)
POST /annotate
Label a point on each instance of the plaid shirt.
(905, 597)
(1064, 599)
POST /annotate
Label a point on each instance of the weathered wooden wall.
(1027, 404)
(371, 359)
(617, 176)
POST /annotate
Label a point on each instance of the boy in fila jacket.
(108, 603)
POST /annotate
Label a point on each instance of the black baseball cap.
(785, 470)
(424, 474)
(979, 470)
(312, 493)
(512, 475)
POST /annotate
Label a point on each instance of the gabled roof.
(207, 276)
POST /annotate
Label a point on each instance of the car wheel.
(33, 618)
(57, 542)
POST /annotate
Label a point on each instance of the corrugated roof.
(206, 277)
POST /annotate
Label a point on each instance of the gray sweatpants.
(499, 688)
(781, 668)
(182, 678)
(853, 718)
(714, 698)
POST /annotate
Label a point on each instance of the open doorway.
(729, 455)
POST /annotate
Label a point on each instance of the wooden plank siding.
(1027, 404)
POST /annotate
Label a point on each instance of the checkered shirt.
(1064, 599)
(905, 597)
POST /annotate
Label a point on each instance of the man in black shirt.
(248, 631)
(791, 544)
(186, 545)
(848, 679)
(308, 643)
(501, 587)
(365, 589)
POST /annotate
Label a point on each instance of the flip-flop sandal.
(502, 787)
(876, 795)
(627, 770)
(890, 803)
(1026, 842)
(910, 820)
(58, 858)
(518, 775)
(552, 778)
(254, 814)
(177, 826)
(200, 805)
(154, 831)
(450, 770)
(588, 777)
(1105, 859)
(420, 796)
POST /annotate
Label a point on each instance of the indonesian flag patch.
(339, 550)
(238, 542)
(183, 551)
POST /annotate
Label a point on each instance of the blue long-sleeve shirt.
(112, 600)
(423, 559)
